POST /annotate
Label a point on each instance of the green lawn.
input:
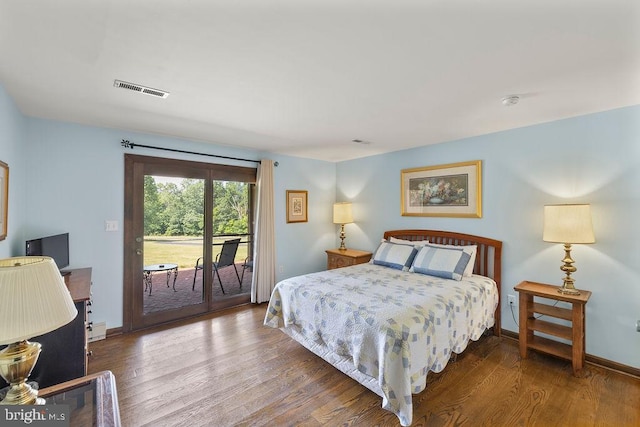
(182, 250)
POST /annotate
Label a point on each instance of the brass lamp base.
(16, 363)
(342, 246)
(567, 286)
(568, 291)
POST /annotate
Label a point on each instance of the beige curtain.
(264, 252)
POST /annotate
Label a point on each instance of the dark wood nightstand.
(337, 258)
(529, 323)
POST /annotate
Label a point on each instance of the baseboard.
(594, 360)
(114, 331)
(97, 332)
(615, 366)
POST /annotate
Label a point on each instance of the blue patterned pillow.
(395, 256)
(448, 263)
(473, 250)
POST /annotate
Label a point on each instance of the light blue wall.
(590, 159)
(76, 183)
(12, 142)
(301, 245)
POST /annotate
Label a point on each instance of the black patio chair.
(246, 265)
(226, 258)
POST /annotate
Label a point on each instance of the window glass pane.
(232, 241)
(173, 242)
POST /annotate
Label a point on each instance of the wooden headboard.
(488, 257)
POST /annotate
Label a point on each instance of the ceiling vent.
(141, 89)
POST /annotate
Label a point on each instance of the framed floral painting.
(4, 199)
(451, 190)
(297, 206)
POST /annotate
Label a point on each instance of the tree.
(230, 207)
(178, 210)
(171, 216)
(152, 207)
(192, 204)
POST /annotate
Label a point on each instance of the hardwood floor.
(227, 369)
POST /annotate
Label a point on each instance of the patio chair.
(226, 258)
(246, 265)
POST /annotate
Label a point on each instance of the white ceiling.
(306, 77)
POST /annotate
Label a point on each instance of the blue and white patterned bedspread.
(394, 326)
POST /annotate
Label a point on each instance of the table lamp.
(568, 224)
(33, 301)
(342, 215)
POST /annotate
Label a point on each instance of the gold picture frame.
(297, 206)
(4, 199)
(450, 190)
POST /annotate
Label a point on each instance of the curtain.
(264, 252)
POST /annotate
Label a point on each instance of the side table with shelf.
(528, 323)
(337, 258)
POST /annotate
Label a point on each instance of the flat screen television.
(56, 247)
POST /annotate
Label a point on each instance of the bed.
(388, 323)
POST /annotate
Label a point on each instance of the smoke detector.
(510, 100)
(140, 89)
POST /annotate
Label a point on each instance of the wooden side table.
(575, 352)
(92, 400)
(337, 258)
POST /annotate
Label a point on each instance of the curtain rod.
(127, 144)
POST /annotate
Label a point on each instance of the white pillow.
(448, 263)
(408, 242)
(473, 250)
(394, 255)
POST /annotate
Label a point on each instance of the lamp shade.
(342, 213)
(568, 224)
(33, 298)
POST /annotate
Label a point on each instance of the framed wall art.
(451, 190)
(297, 206)
(4, 199)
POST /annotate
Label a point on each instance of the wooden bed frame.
(488, 258)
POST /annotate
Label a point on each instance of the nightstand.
(337, 258)
(575, 352)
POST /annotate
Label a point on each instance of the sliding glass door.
(188, 234)
(173, 242)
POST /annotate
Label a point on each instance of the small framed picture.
(297, 206)
(4, 199)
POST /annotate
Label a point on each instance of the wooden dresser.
(64, 351)
(337, 258)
